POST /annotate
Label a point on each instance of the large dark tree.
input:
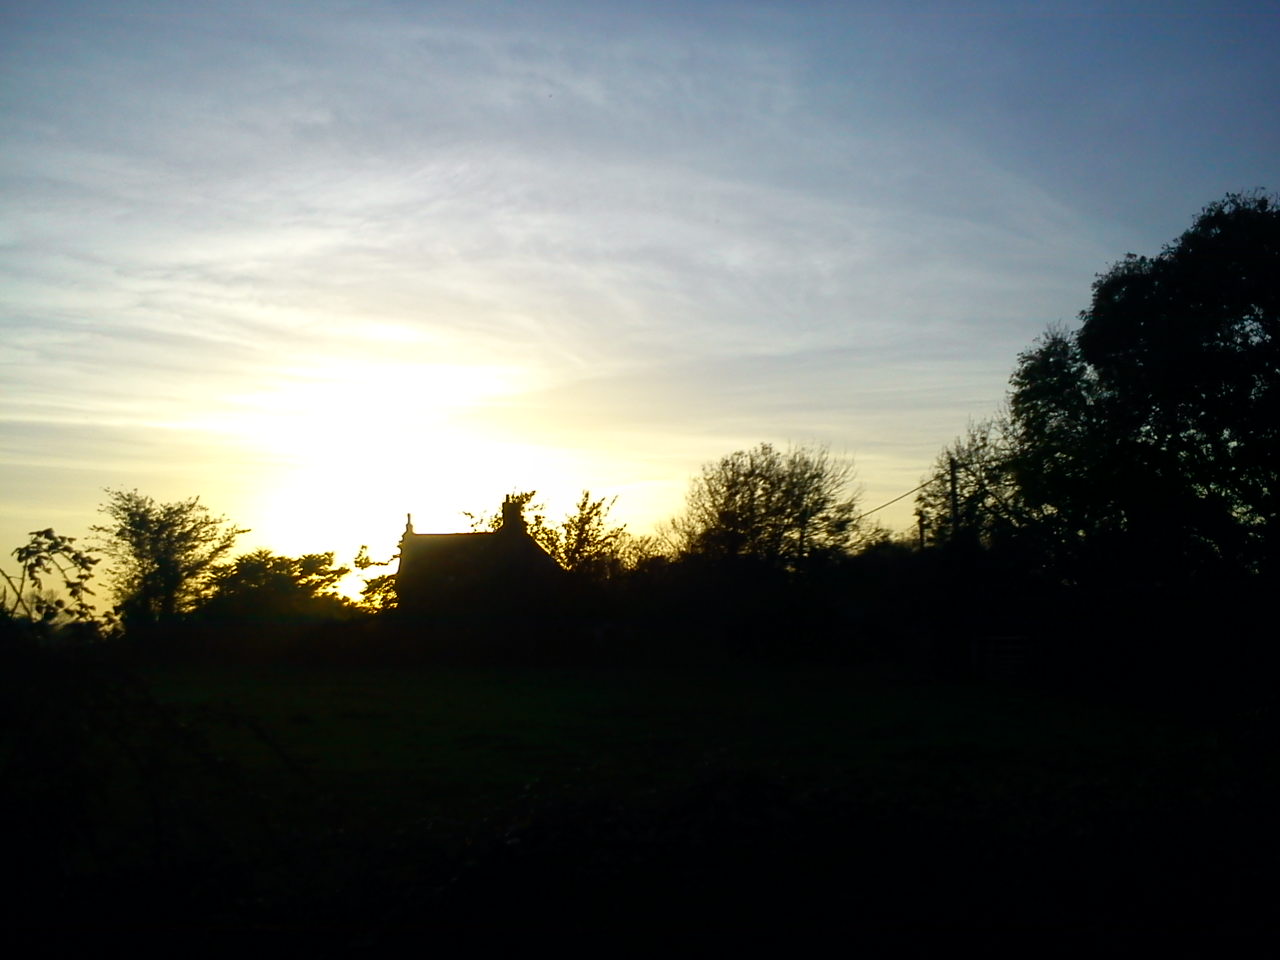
(1155, 429)
(1186, 349)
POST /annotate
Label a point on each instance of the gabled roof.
(445, 569)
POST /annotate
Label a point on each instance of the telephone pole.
(955, 500)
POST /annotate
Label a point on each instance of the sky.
(324, 264)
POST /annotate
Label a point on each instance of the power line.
(895, 499)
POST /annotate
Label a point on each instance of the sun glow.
(358, 445)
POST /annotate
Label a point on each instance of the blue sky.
(324, 264)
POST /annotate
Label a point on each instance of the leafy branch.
(50, 555)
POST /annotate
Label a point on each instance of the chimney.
(513, 516)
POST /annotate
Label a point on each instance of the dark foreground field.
(345, 808)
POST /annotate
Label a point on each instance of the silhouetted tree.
(639, 551)
(586, 543)
(988, 507)
(1156, 427)
(162, 554)
(1146, 444)
(379, 591)
(265, 584)
(1070, 475)
(1186, 350)
(781, 509)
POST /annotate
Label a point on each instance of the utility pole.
(955, 501)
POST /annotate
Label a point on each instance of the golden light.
(359, 444)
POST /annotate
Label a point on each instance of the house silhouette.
(475, 572)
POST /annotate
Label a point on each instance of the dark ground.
(347, 807)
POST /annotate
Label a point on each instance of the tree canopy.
(161, 553)
(1184, 349)
(781, 509)
(1153, 430)
(266, 584)
(986, 507)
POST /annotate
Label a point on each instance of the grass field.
(467, 757)
(462, 743)
(372, 800)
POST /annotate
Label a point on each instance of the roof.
(443, 569)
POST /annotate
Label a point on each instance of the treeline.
(761, 527)
(1115, 523)
(171, 577)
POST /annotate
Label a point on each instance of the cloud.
(686, 231)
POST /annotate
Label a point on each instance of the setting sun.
(358, 444)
